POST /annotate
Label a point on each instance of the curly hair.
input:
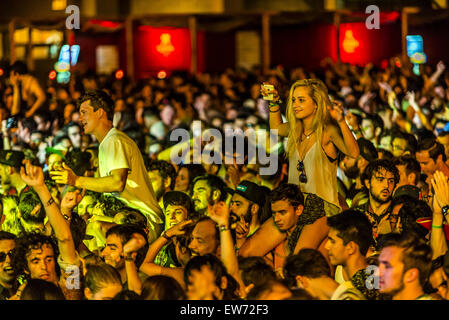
(27, 242)
(287, 191)
(165, 170)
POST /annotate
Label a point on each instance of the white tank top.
(321, 174)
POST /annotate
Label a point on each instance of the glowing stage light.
(52, 75)
(165, 47)
(162, 74)
(119, 74)
(350, 43)
(2, 72)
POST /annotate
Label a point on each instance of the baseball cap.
(367, 149)
(408, 190)
(12, 158)
(249, 190)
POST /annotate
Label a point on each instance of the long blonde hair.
(319, 94)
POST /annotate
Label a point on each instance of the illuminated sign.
(415, 51)
(165, 47)
(350, 43)
(67, 57)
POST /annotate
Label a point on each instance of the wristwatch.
(445, 210)
(129, 257)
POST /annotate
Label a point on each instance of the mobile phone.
(269, 88)
(11, 123)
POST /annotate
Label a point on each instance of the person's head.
(35, 257)
(430, 156)
(385, 140)
(101, 282)
(7, 247)
(407, 209)
(398, 143)
(78, 161)
(87, 203)
(116, 238)
(207, 190)
(186, 175)
(307, 98)
(18, 68)
(354, 167)
(38, 289)
(162, 288)
(247, 201)
(372, 126)
(409, 170)
(55, 160)
(95, 107)
(31, 212)
(207, 271)
(404, 264)
(300, 270)
(24, 128)
(11, 222)
(350, 235)
(272, 289)
(205, 238)
(177, 208)
(287, 204)
(163, 176)
(10, 163)
(73, 131)
(438, 279)
(380, 178)
(254, 271)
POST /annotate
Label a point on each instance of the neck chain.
(308, 135)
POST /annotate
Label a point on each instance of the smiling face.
(302, 103)
(204, 239)
(89, 118)
(174, 214)
(202, 196)
(113, 252)
(7, 273)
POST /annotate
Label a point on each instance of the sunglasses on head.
(4, 254)
(300, 168)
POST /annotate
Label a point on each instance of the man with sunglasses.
(8, 278)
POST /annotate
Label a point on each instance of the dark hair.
(98, 275)
(27, 203)
(127, 295)
(194, 170)
(411, 165)
(78, 228)
(416, 253)
(375, 166)
(376, 120)
(110, 204)
(254, 270)
(216, 266)
(265, 287)
(353, 225)
(433, 147)
(215, 183)
(78, 161)
(99, 99)
(162, 288)
(165, 169)
(411, 210)
(367, 149)
(4, 235)
(31, 241)
(125, 232)
(28, 123)
(38, 289)
(308, 263)
(19, 67)
(177, 198)
(289, 192)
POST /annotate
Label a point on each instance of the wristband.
(50, 202)
(437, 227)
(164, 235)
(445, 210)
(224, 228)
(129, 257)
(275, 110)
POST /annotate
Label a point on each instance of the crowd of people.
(100, 200)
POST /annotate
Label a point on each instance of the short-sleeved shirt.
(118, 151)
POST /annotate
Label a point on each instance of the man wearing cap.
(247, 203)
(10, 162)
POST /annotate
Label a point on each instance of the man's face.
(113, 252)
(367, 129)
(349, 167)
(398, 146)
(240, 206)
(285, 215)
(428, 165)
(391, 271)
(158, 183)
(74, 134)
(336, 248)
(381, 185)
(7, 274)
(202, 284)
(202, 196)
(54, 162)
(85, 205)
(41, 263)
(204, 239)
(438, 281)
(174, 214)
(182, 180)
(88, 117)
(385, 143)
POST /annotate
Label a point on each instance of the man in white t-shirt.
(121, 166)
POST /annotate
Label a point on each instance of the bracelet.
(129, 257)
(274, 103)
(164, 235)
(50, 202)
(437, 227)
(224, 228)
(275, 110)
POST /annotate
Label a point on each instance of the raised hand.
(134, 244)
(72, 199)
(441, 189)
(265, 92)
(178, 229)
(441, 66)
(32, 175)
(336, 111)
(219, 212)
(351, 119)
(64, 176)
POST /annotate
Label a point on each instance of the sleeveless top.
(321, 174)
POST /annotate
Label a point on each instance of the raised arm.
(275, 120)
(441, 199)
(130, 251)
(34, 177)
(345, 141)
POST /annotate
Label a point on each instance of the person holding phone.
(316, 131)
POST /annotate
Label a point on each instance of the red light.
(350, 43)
(398, 63)
(119, 74)
(161, 74)
(2, 72)
(384, 64)
(52, 75)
